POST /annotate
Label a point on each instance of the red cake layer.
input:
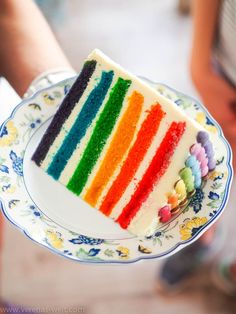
(155, 171)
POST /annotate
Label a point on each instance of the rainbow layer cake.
(124, 149)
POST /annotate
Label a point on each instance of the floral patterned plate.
(32, 201)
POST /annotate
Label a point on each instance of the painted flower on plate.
(191, 227)
(4, 169)
(8, 134)
(83, 254)
(17, 163)
(196, 200)
(93, 252)
(82, 239)
(49, 99)
(216, 175)
(9, 188)
(204, 121)
(35, 106)
(144, 249)
(13, 203)
(54, 239)
(213, 196)
(123, 252)
(35, 211)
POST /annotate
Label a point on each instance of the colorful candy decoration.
(198, 164)
(199, 152)
(164, 213)
(173, 200)
(194, 165)
(187, 176)
(204, 140)
(180, 189)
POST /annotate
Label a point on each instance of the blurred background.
(151, 40)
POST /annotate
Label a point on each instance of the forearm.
(205, 17)
(204, 75)
(28, 46)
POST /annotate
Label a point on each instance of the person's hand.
(219, 96)
(30, 48)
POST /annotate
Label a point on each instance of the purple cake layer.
(64, 112)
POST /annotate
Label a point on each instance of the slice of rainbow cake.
(125, 149)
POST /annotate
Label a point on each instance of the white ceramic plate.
(55, 218)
